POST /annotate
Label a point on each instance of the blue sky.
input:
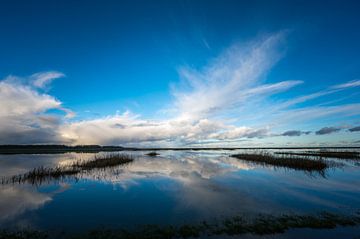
(161, 73)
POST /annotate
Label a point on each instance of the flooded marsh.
(177, 194)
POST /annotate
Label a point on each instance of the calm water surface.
(174, 188)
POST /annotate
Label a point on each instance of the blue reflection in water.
(177, 187)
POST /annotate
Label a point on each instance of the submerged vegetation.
(239, 225)
(326, 154)
(293, 162)
(42, 174)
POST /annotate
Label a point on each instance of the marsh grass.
(238, 225)
(40, 175)
(326, 154)
(298, 163)
(104, 161)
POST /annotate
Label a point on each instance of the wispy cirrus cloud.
(232, 79)
(43, 79)
(349, 84)
(314, 112)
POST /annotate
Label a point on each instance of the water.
(174, 188)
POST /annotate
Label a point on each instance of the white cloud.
(231, 79)
(17, 99)
(127, 128)
(316, 112)
(43, 79)
(234, 132)
(23, 114)
(349, 84)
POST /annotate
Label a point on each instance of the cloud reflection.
(17, 200)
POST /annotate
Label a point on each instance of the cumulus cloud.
(295, 133)
(327, 130)
(233, 132)
(128, 128)
(23, 114)
(355, 129)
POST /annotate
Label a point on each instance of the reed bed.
(293, 162)
(326, 154)
(42, 174)
(104, 161)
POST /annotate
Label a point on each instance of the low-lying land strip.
(59, 149)
(239, 225)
